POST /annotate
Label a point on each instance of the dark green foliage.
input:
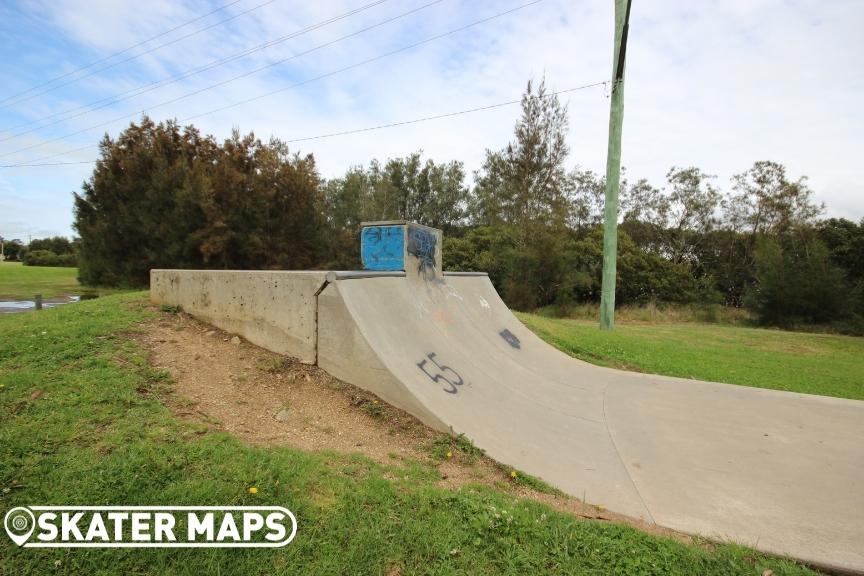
(796, 281)
(55, 251)
(845, 242)
(400, 189)
(564, 268)
(48, 258)
(13, 250)
(57, 244)
(162, 197)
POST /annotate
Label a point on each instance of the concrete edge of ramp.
(275, 310)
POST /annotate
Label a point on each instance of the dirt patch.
(264, 398)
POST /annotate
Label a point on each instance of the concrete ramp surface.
(778, 471)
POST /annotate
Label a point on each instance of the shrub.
(49, 258)
(797, 282)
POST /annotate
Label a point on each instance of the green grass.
(99, 434)
(825, 364)
(653, 313)
(446, 445)
(19, 282)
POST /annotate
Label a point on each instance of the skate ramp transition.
(779, 471)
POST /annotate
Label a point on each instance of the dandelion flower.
(449, 454)
(253, 490)
(513, 474)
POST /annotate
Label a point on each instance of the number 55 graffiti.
(439, 375)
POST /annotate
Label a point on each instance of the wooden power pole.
(613, 167)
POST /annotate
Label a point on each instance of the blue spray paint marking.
(421, 245)
(510, 338)
(382, 248)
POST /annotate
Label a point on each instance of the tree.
(447, 204)
(692, 201)
(402, 188)
(527, 181)
(133, 213)
(642, 202)
(162, 196)
(523, 193)
(55, 244)
(796, 280)
(261, 209)
(690, 210)
(764, 200)
(587, 195)
(845, 242)
(13, 249)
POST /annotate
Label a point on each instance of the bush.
(165, 197)
(49, 258)
(797, 282)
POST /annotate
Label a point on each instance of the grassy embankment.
(825, 364)
(82, 421)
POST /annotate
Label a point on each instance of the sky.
(718, 85)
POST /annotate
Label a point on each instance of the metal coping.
(348, 274)
(354, 274)
(398, 223)
(384, 223)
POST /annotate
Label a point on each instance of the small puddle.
(14, 306)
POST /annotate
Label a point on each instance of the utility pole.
(613, 167)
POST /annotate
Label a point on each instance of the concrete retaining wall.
(275, 310)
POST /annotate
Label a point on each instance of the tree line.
(162, 195)
(53, 251)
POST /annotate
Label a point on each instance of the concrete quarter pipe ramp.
(778, 471)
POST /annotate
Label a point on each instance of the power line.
(341, 133)
(47, 164)
(270, 65)
(95, 62)
(5, 103)
(363, 62)
(437, 116)
(104, 102)
(57, 155)
(298, 84)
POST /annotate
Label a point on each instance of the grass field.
(19, 282)
(82, 421)
(824, 364)
(653, 313)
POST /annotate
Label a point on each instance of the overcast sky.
(717, 85)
